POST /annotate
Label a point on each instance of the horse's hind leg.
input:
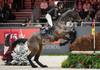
(36, 58)
(30, 61)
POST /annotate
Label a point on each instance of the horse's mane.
(66, 16)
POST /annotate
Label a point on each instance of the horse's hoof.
(34, 66)
(8, 64)
(45, 66)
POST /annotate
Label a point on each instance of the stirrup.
(43, 32)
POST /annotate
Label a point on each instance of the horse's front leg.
(36, 58)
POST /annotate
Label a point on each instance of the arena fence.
(84, 29)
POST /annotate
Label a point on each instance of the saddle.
(47, 32)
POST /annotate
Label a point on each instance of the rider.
(46, 28)
(51, 15)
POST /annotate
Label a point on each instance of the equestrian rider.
(51, 15)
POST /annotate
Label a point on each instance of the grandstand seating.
(27, 4)
(23, 14)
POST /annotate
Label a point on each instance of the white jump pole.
(93, 33)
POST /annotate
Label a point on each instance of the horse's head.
(66, 24)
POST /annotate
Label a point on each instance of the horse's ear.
(73, 9)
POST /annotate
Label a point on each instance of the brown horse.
(36, 41)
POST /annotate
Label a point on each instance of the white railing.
(3, 25)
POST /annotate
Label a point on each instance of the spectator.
(10, 2)
(79, 8)
(1, 14)
(1, 1)
(83, 1)
(51, 4)
(98, 5)
(93, 8)
(7, 13)
(97, 16)
(44, 7)
(17, 5)
(86, 8)
(36, 12)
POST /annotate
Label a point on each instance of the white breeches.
(49, 19)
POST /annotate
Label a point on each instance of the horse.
(97, 16)
(37, 40)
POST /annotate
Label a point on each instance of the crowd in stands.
(6, 8)
(41, 8)
(87, 8)
(6, 12)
